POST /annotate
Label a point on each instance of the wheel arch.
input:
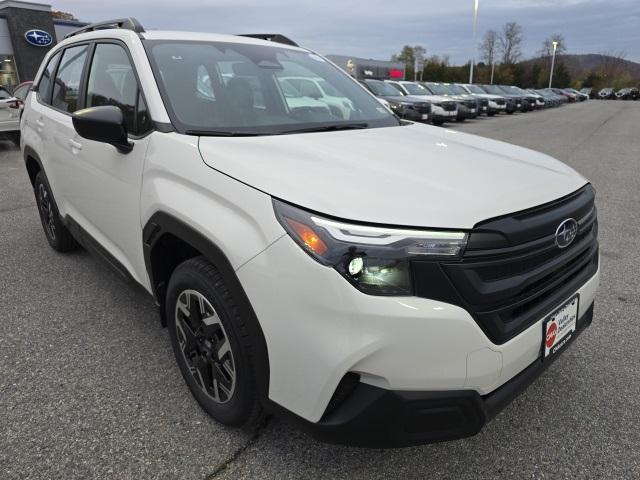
(167, 242)
(33, 163)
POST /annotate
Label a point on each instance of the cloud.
(379, 28)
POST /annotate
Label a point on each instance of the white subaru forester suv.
(379, 282)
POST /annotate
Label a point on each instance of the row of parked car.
(438, 103)
(610, 94)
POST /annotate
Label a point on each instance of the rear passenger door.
(104, 188)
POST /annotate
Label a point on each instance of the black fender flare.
(161, 223)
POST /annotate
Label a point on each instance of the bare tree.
(489, 47)
(547, 45)
(612, 66)
(511, 42)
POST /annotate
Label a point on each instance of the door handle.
(39, 125)
(75, 146)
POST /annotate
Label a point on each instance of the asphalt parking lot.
(89, 387)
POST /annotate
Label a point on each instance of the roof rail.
(129, 23)
(272, 37)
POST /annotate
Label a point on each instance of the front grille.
(512, 273)
(422, 107)
(501, 101)
(471, 104)
(449, 106)
(484, 102)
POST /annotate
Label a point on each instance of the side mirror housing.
(103, 124)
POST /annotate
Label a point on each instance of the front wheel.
(212, 344)
(57, 234)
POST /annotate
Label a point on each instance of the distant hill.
(604, 69)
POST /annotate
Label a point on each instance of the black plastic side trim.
(162, 223)
(85, 239)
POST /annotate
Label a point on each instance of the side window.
(44, 87)
(112, 81)
(66, 88)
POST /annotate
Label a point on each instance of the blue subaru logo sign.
(38, 38)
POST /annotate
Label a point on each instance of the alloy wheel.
(46, 211)
(205, 346)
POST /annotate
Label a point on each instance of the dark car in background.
(496, 103)
(529, 101)
(607, 94)
(467, 108)
(552, 99)
(405, 106)
(514, 102)
(482, 104)
(588, 91)
(628, 94)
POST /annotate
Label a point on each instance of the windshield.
(475, 89)
(234, 88)
(457, 90)
(382, 89)
(437, 89)
(492, 89)
(516, 90)
(415, 89)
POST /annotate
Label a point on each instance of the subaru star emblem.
(38, 38)
(566, 232)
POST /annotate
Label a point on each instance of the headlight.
(374, 259)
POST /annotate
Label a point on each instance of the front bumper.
(374, 417)
(319, 328)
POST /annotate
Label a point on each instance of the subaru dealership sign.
(38, 38)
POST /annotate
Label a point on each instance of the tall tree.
(410, 56)
(489, 47)
(561, 76)
(547, 45)
(511, 42)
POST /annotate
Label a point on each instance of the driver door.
(105, 192)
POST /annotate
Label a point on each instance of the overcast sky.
(379, 28)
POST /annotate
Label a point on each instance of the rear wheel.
(57, 234)
(212, 344)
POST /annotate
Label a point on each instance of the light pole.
(553, 62)
(475, 21)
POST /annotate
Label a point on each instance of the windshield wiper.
(329, 128)
(225, 133)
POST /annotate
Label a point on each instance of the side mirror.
(103, 124)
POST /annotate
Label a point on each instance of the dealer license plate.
(560, 327)
(425, 116)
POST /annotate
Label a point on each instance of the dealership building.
(362, 68)
(27, 32)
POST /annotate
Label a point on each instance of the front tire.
(212, 344)
(57, 234)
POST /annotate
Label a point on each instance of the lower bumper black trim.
(377, 418)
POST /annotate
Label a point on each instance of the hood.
(489, 96)
(403, 98)
(415, 175)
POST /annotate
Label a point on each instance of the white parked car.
(377, 281)
(9, 116)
